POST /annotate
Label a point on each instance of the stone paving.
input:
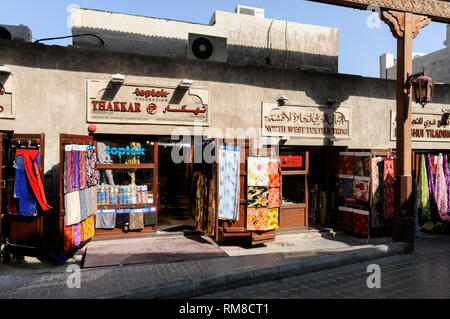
(423, 274)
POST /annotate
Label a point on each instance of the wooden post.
(405, 27)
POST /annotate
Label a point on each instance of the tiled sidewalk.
(124, 281)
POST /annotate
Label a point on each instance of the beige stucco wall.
(50, 94)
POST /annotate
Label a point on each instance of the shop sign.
(7, 96)
(143, 104)
(426, 127)
(119, 151)
(305, 121)
(291, 161)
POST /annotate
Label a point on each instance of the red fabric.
(361, 224)
(34, 178)
(68, 237)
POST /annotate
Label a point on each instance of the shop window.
(293, 189)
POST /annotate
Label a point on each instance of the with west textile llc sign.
(143, 104)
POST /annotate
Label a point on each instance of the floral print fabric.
(274, 197)
(441, 190)
(258, 171)
(346, 164)
(389, 187)
(377, 210)
(362, 166)
(229, 172)
(423, 193)
(274, 173)
(272, 218)
(257, 196)
(346, 187)
(361, 222)
(257, 218)
(361, 188)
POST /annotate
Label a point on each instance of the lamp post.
(423, 87)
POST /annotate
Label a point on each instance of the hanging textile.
(123, 219)
(88, 227)
(257, 218)
(258, 171)
(68, 169)
(229, 173)
(199, 200)
(389, 187)
(82, 161)
(441, 190)
(377, 209)
(22, 190)
(423, 202)
(33, 176)
(434, 211)
(92, 175)
(345, 218)
(91, 196)
(76, 169)
(211, 223)
(77, 234)
(274, 173)
(105, 219)
(361, 165)
(447, 178)
(273, 215)
(274, 197)
(136, 221)
(68, 237)
(12, 204)
(346, 164)
(361, 188)
(84, 212)
(72, 207)
(257, 196)
(361, 222)
(346, 186)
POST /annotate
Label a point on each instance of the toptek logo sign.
(125, 150)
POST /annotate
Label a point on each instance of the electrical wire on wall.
(269, 42)
(72, 36)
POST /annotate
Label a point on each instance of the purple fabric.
(76, 172)
(447, 178)
(433, 204)
(441, 190)
(68, 172)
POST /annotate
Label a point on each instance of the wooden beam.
(437, 10)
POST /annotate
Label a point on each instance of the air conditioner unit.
(15, 32)
(256, 12)
(207, 48)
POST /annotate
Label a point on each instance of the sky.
(361, 39)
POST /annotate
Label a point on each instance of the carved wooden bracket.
(396, 20)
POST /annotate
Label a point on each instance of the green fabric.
(423, 193)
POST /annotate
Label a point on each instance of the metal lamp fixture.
(423, 87)
(186, 83)
(118, 78)
(282, 99)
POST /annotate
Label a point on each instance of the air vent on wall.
(207, 48)
(256, 12)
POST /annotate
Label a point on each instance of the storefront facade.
(54, 90)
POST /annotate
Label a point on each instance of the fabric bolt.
(22, 190)
(257, 196)
(361, 223)
(72, 208)
(149, 218)
(92, 175)
(423, 194)
(257, 218)
(122, 220)
(441, 190)
(136, 221)
(361, 189)
(229, 173)
(274, 197)
(346, 164)
(389, 187)
(274, 173)
(82, 168)
(84, 212)
(434, 210)
(377, 209)
(361, 168)
(346, 187)
(68, 169)
(258, 171)
(68, 237)
(105, 220)
(31, 160)
(88, 226)
(272, 217)
(77, 234)
(76, 170)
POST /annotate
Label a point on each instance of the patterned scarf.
(423, 192)
(441, 190)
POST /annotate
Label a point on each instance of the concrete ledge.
(236, 278)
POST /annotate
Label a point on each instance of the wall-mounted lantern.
(423, 87)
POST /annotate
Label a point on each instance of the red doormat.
(154, 249)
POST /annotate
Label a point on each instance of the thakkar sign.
(305, 121)
(143, 104)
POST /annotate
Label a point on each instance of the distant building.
(436, 63)
(244, 38)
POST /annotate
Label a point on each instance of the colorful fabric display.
(82, 161)
(258, 171)
(92, 175)
(345, 218)
(257, 196)
(361, 188)
(441, 190)
(91, 197)
(389, 187)
(274, 173)
(76, 169)
(447, 178)
(31, 158)
(274, 197)
(346, 186)
(361, 165)
(346, 164)
(377, 209)
(72, 207)
(434, 210)
(68, 169)
(257, 218)
(68, 237)
(229, 182)
(272, 218)
(136, 221)
(22, 190)
(361, 222)
(423, 202)
(105, 219)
